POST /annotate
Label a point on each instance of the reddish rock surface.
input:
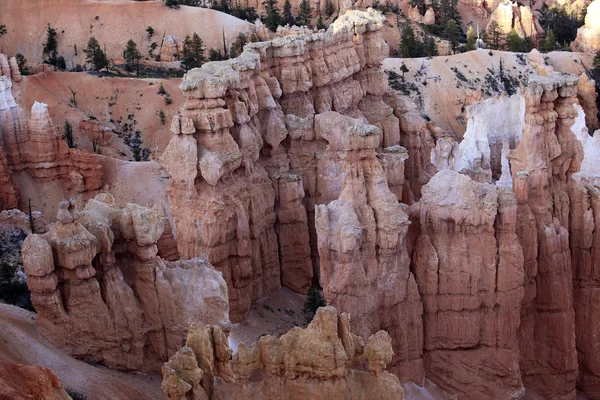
(34, 145)
(26, 382)
(102, 294)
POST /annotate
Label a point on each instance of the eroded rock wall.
(34, 145)
(365, 268)
(541, 166)
(312, 363)
(468, 265)
(102, 294)
(248, 162)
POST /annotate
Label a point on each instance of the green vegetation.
(95, 56)
(22, 63)
(305, 14)
(471, 41)
(51, 46)
(314, 300)
(273, 18)
(549, 43)
(132, 57)
(192, 55)
(68, 135)
(288, 18)
(453, 33)
(238, 46)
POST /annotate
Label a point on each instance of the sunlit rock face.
(588, 36)
(319, 362)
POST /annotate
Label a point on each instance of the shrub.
(13, 289)
(314, 300)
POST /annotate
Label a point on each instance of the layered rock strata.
(468, 265)
(102, 294)
(248, 161)
(541, 165)
(34, 145)
(312, 363)
(365, 268)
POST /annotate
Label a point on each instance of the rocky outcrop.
(312, 363)
(9, 68)
(102, 294)
(95, 132)
(247, 161)
(34, 145)
(170, 47)
(588, 36)
(25, 382)
(9, 191)
(510, 15)
(541, 165)
(365, 268)
(468, 265)
(415, 15)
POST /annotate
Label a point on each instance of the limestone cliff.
(312, 363)
(102, 294)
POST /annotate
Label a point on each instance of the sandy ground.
(113, 23)
(441, 85)
(110, 100)
(273, 315)
(21, 342)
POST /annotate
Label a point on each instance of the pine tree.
(273, 18)
(198, 49)
(187, 56)
(68, 135)
(495, 35)
(214, 55)
(528, 44)
(305, 14)
(514, 42)
(288, 18)
(430, 47)
(597, 61)
(403, 69)
(329, 8)
(409, 46)
(453, 33)
(238, 46)
(549, 44)
(22, 63)
(471, 40)
(132, 56)
(51, 46)
(320, 24)
(95, 55)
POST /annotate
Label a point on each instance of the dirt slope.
(20, 342)
(442, 85)
(113, 23)
(105, 99)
